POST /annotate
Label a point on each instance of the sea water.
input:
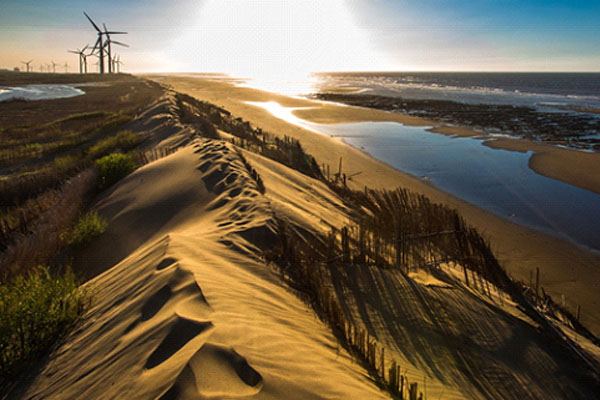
(539, 90)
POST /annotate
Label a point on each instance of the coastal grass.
(89, 226)
(114, 167)
(61, 159)
(31, 232)
(32, 145)
(36, 310)
(122, 141)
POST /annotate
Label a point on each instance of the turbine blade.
(119, 43)
(96, 45)
(116, 33)
(104, 26)
(93, 23)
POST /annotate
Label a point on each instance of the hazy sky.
(253, 37)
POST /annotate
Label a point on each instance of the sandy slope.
(481, 347)
(191, 312)
(448, 337)
(565, 268)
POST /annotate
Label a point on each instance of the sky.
(287, 37)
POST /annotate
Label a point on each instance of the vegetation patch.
(89, 226)
(36, 310)
(123, 141)
(30, 232)
(114, 167)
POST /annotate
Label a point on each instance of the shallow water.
(39, 92)
(499, 181)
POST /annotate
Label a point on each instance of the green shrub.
(124, 140)
(89, 226)
(35, 312)
(113, 167)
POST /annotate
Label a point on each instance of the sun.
(274, 38)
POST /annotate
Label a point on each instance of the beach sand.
(565, 268)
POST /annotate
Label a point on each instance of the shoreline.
(565, 268)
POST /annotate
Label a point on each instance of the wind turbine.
(82, 58)
(99, 44)
(53, 66)
(108, 43)
(27, 64)
(66, 67)
(118, 64)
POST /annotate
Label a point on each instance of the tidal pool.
(39, 92)
(499, 181)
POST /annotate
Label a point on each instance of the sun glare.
(274, 38)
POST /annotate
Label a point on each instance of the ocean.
(543, 91)
(580, 90)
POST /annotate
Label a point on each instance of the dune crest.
(190, 310)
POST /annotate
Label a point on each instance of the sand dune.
(191, 311)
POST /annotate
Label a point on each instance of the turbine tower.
(108, 43)
(118, 64)
(27, 64)
(99, 44)
(102, 45)
(53, 67)
(66, 67)
(82, 58)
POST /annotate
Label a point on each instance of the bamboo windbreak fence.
(394, 230)
(406, 231)
(301, 263)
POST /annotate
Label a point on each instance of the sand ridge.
(191, 311)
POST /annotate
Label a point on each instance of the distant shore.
(565, 268)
